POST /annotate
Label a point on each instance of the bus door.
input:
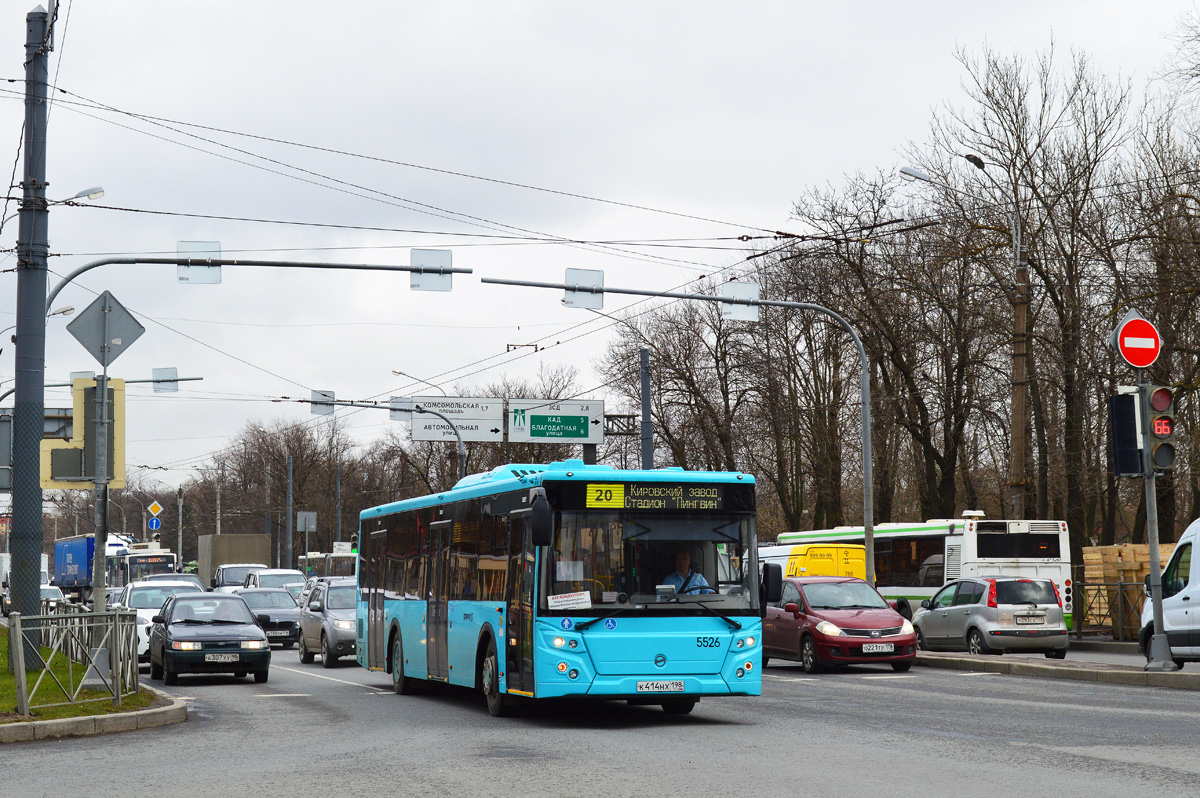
(519, 638)
(440, 534)
(376, 634)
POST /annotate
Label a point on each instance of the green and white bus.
(913, 561)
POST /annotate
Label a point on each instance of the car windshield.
(294, 589)
(278, 580)
(151, 598)
(665, 560)
(235, 576)
(51, 593)
(341, 598)
(1025, 591)
(273, 600)
(211, 609)
(843, 596)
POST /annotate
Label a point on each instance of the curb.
(1092, 672)
(26, 731)
(1110, 646)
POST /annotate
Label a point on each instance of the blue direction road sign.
(155, 524)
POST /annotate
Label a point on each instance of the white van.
(1181, 601)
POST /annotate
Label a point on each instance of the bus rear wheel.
(499, 704)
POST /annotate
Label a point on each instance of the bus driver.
(685, 578)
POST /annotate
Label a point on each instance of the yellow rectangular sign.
(606, 495)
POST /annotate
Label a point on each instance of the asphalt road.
(858, 732)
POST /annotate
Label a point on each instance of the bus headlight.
(559, 642)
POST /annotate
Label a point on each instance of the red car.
(836, 620)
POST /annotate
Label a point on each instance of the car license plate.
(1030, 619)
(878, 648)
(220, 657)
(282, 633)
(673, 686)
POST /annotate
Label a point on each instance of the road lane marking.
(791, 679)
(319, 676)
(283, 695)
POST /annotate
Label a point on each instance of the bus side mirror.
(772, 581)
(542, 520)
(213, 583)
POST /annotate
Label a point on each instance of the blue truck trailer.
(73, 564)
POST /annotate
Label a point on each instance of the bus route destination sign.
(654, 496)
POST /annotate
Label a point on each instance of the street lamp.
(93, 193)
(1020, 354)
(399, 373)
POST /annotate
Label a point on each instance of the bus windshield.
(665, 560)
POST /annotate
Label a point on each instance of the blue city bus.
(554, 581)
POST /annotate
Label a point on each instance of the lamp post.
(437, 388)
(1020, 338)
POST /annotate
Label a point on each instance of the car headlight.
(186, 645)
(344, 625)
(906, 628)
(254, 644)
(142, 621)
(829, 629)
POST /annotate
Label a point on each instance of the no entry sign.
(1138, 342)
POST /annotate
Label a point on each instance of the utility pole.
(1020, 377)
(179, 526)
(647, 426)
(267, 510)
(338, 504)
(287, 540)
(33, 244)
(220, 479)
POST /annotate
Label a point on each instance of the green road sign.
(558, 427)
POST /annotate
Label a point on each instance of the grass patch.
(49, 692)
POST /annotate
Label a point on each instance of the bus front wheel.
(499, 704)
(680, 706)
(400, 683)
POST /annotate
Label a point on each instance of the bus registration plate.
(672, 686)
(220, 657)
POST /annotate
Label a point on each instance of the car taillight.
(992, 593)
(1056, 595)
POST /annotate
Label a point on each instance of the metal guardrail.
(1112, 607)
(98, 649)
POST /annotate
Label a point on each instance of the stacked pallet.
(1114, 576)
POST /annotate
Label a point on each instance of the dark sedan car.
(207, 633)
(281, 612)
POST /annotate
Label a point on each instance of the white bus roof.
(931, 528)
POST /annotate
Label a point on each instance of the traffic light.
(1161, 427)
(1124, 415)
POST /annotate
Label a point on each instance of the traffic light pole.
(1158, 649)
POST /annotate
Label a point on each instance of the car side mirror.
(314, 606)
(1147, 584)
(793, 608)
(926, 604)
(159, 619)
(213, 583)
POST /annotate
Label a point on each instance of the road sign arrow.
(495, 430)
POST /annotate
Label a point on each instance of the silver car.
(327, 622)
(994, 615)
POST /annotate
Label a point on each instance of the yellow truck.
(817, 559)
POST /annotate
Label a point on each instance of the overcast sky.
(723, 111)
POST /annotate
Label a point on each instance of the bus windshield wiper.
(579, 627)
(732, 623)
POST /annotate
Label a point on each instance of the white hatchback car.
(147, 598)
